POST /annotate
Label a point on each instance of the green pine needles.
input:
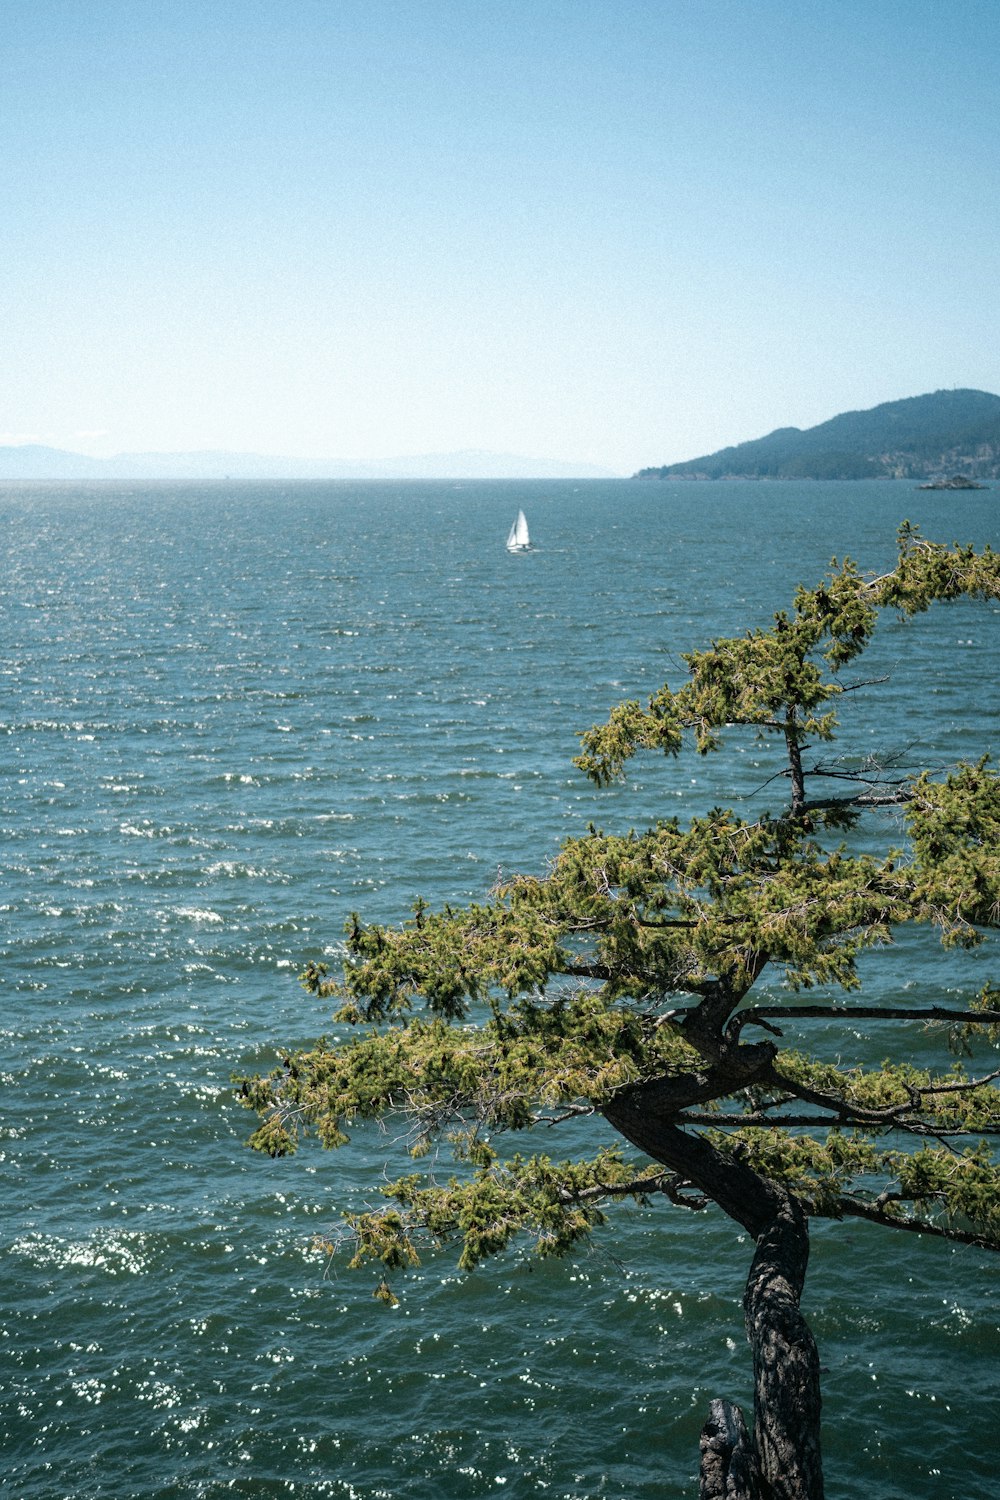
(630, 966)
(619, 989)
(621, 985)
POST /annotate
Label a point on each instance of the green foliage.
(557, 1204)
(782, 681)
(528, 1057)
(829, 465)
(617, 984)
(819, 1172)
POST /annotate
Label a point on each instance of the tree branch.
(761, 1015)
(852, 1208)
(845, 1117)
(671, 1184)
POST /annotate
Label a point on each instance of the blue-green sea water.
(230, 715)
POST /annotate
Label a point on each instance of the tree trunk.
(781, 1461)
(795, 764)
(785, 1362)
(728, 1463)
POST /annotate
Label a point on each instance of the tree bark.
(781, 1461)
(728, 1463)
(795, 764)
(785, 1362)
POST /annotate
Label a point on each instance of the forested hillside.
(923, 437)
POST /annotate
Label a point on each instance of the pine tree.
(620, 985)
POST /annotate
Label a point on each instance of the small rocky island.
(956, 482)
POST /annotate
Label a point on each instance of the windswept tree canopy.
(620, 983)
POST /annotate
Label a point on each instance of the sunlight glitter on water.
(220, 738)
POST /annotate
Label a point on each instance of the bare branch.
(671, 1184)
(839, 1119)
(571, 1112)
(761, 1121)
(855, 687)
(962, 1086)
(862, 800)
(855, 1209)
(761, 1015)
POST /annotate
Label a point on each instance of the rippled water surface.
(230, 715)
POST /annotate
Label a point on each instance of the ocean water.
(233, 713)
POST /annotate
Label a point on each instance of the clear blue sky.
(619, 231)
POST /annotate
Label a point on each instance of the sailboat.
(519, 540)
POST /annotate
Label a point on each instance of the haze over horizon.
(616, 233)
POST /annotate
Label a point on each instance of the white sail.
(519, 540)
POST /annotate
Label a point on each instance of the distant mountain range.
(32, 461)
(924, 437)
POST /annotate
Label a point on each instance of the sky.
(614, 232)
